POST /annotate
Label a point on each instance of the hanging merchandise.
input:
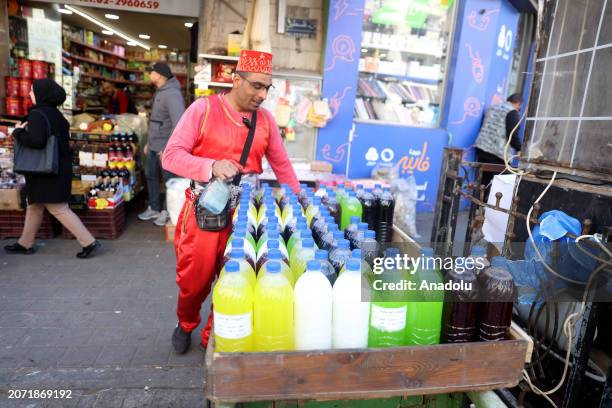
(319, 113)
(282, 114)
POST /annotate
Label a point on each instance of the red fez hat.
(255, 61)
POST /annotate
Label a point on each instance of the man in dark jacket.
(168, 106)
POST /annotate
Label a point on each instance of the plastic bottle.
(479, 256)
(370, 209)
(497, 290)
(301, 255)
(384, 230)
(350, 314)
(321, 192)
(240, 231)
(334, 208)
(262, 254)
(276, 256)
(249, 251)
(270, 222)
(351, 230)
(369, 247)
(273, 311)
(301, 228)
(359, 236)
(281, 196)
(245, 268)
(459, 316)
(389, 309)
(341, 195)
(271, 233)
(359, 191)
(319, 226)
(233, 311)
(377, 191)
(349, 207)
(313, 310)
(322, 256)
(291, 213)
(328, 238)
(313, 210)
(425, 311)
(303, 195)
(339, 255)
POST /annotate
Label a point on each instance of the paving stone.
(57, 337)
(120, 355)
(140, 336)
(82, 356)
(43, 357)
(106, 337)
(9, 337)
(153, 355)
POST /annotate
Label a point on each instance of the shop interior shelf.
(423, 51)
(103, 64)
(365, 373)
(93, 47)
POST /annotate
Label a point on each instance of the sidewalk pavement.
(99, 327)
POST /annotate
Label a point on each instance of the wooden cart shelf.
(365, 373)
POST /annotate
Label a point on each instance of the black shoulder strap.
(247, 145)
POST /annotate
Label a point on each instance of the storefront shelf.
(102, 50)
(103, 64)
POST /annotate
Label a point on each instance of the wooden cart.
(360, 374)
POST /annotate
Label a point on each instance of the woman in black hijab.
(52, 192)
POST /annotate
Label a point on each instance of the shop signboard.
(340, 80)
(415, 151)
(188, 8)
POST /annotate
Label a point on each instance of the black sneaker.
(181, 340)
(89, 250)
(17, 248)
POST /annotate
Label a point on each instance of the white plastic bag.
(175, 197)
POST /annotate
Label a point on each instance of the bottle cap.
(275, 254)
(478, 250)
(307, 243)
(237, 253)
(376, 185)
(355, 219)
(353, 265)
(273, 234)
(273, 244)
(370, 234)
(338, 235)
(232, 266)
(321, 254)
(273, 267)
(238, 242)
(363, 226)
(317, 200)
(427, 252)
(359, 186)
(302, 225)
(313, 266)
(356, 253)
(343, 244)
(240, 232)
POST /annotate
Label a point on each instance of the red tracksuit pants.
(199, 257)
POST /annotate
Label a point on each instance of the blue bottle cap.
(238, 242)
(386, 189)
(338, 235)
(273, 244)
(313, 266)
(368, 190)
(272, 220)
(275, 254)
(321, 254)
(302, 225)
(359, 186)
(351, 194)
(297, 208)
(317, 200)
(353, 265)
(498, 262)
(232, 266)
(240, 232)
(273, 267)
(329, 219)
(343, 244)
(370, 234)
(307, 243)
(478, 250)
(237, 252)
(356, 253)
(363, 226)
(355, 219)
(427, 252)
(273, 234)
(303, 185)
(376, 185)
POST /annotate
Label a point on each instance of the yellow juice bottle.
(273, 311)
(233, 311)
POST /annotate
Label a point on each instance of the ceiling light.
(173, 53)
(105, 27)
(131, 43)
(188, 25)
(162, 46)
(64, 11)
(107, 32)
(144, 36)
(112, 16)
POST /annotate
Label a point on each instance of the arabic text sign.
(189, 8)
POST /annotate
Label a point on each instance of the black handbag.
(37, 162)
(208, 221)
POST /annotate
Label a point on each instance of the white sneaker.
(162, 219)
(148, 214)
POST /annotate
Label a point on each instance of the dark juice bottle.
(334, 208)
(384, 229)
(459, 316)
(370, 209)
(497, 294)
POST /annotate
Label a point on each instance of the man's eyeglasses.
(258, 86)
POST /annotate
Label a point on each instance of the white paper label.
(233, 326)
(388, 319)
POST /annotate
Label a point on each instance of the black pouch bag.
(208, 221)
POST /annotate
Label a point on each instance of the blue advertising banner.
(340, 80)
(415, 151)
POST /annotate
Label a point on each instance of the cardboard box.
(10, 199)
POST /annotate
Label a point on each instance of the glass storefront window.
(403, 61)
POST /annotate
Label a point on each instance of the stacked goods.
(290, 281)
(18, 87)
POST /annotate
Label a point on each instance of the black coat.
(48, 189)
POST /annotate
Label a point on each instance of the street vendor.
(208, 143)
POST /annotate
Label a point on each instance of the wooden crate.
(364, 373)
(12, 221)
(103, 224)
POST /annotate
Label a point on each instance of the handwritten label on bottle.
(233, 327)
(389, 319)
